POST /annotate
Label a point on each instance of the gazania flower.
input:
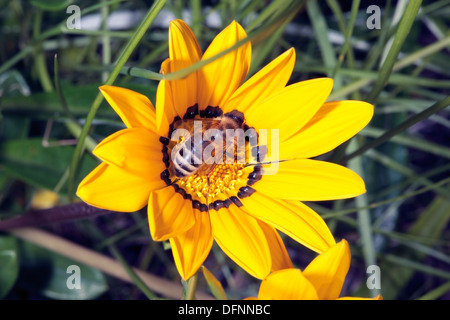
(322, 279)
(239, 205)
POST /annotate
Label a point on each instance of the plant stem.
(190, 287)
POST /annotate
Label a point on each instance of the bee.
(202, 143)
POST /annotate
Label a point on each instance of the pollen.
(223, 180)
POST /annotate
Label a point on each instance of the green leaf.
(9, 268)
(214, 285)
(29, 161)
(51, 5)
(46, 273)
(12, 127)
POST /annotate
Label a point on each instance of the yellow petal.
(242, 239)
(296, 220)
(169, 215)
(191, 248)
(270, 79)
(133, 108)
(287, 284)
(328, 270)
(111, 188)
(334, 123)
(165, 110)
(183, 52)
(310, 180)
(280, 257)
(220, 78)
(135, 150)
(290, 108)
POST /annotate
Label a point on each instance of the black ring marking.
(165, 177)
(211, 112)
(236, 201)
(245, 192)
(191, 112)
(164, 140)
(256, 175)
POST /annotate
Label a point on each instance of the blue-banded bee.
(202, 143)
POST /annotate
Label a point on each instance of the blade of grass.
(428, 251)
(436, 293)
(404, 184)
(261, 52)
(71, 124)
(398, 236)
(269, 11)
(388, 135)
(134, 277)
(101, 262)
(334, 5)
(147, 74)
(118, 256)
(402, 63)
(48, 34)
(413, 142)
(214, 285)
(417, 266)
(398, 13)
(106, 41)
(402, 32)
(196, 7)
(189, 288)
(407, 172)
(378, 48)
(321, 31)
(39, 58)
(398, 79)
(364, 221)
(115, 34)
(433, 6)
(388, 201)
(139, 33)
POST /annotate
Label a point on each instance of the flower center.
(201, 166)
(221, 181)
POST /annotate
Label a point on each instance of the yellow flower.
(322, 279)
(239, 205)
